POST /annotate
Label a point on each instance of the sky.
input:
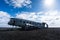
(47, 11)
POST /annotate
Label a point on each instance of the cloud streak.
(19, 3)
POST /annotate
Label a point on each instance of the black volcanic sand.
(40, 34)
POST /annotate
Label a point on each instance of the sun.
(49, 3)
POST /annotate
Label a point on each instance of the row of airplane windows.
(26, 21)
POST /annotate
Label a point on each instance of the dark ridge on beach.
(39, 34)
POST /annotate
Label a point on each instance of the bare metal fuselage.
(26, 23)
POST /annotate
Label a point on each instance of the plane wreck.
(26, 24)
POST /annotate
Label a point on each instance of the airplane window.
(20, 20)
(30, 22)
(27, 22)
(13, 22)
(23, 21)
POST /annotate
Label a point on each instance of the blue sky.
(36, 6)
(35, 10)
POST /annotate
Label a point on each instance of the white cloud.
(19, 3)
(26, 15)
(4, 18)
(52, 18)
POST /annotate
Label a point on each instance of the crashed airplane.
(27, 24)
